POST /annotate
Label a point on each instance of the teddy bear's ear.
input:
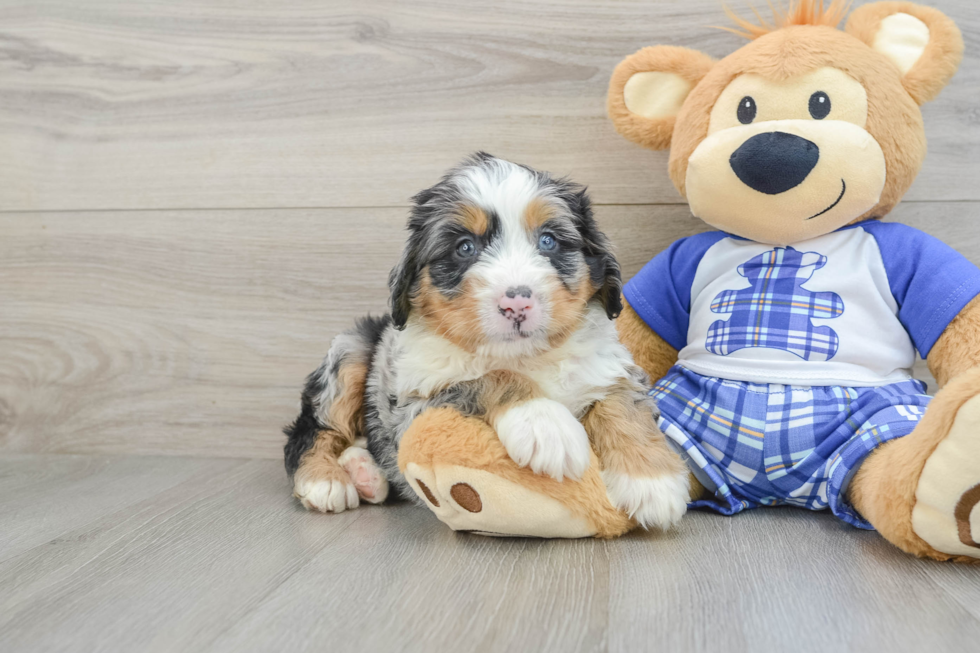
(926, 46)
(648, 88)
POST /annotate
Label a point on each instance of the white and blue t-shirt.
(848, 308)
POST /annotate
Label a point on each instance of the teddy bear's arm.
(958, 349)
(649, 350)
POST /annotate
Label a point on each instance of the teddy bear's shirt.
(845, 309)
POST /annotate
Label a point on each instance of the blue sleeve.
(660, 293)
(931, 282)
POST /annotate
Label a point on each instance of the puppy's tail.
(332, 413)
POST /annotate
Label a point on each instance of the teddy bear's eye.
(819, 105)
(746, 110)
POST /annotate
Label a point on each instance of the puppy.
(501, 308)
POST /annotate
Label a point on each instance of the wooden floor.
(196, 195)
(193, 554)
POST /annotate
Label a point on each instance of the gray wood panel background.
(111, 104)
(195, 196)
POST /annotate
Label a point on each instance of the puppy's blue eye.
(547, 242)
(466, 248)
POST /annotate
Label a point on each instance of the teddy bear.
(781, 343)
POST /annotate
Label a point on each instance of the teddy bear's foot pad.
(475, 500)
(947, 508)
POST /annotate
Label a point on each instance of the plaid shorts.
(767, 444)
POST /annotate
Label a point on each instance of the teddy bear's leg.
(460, 470)
(922, 491)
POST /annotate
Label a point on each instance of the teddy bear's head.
(803, 130)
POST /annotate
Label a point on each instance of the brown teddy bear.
(782, 343)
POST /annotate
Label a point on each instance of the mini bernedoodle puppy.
(502, 307)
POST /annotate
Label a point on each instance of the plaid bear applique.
(776, 311)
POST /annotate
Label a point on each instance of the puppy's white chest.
(584, 377)
(571, 385)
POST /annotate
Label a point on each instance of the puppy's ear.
(604, 269)
(402, 282)
(404, 278)
(648, 88)
(926, 46)
(611, 291)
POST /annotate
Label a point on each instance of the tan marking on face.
(346, 413)
(474, 219)
(537, 213)
(568, 307)
(456, 319)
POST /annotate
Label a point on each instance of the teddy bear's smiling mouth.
(843, 189)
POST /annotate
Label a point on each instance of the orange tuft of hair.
(800, 12)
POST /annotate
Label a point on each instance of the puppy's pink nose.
(516, 301)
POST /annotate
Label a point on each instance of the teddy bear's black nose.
(773, 163)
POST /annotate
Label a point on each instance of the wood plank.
(110, 104)
(191, 332)
(166, 574)
(179, 332)
(400, 580)
(228, 561)
(959, 582)
(782, 579)
(43, 497)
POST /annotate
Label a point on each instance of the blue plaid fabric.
(776, 311)
(768, 444)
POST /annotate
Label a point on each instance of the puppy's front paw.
(332, 492)
(659, 501)
(544, 435)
